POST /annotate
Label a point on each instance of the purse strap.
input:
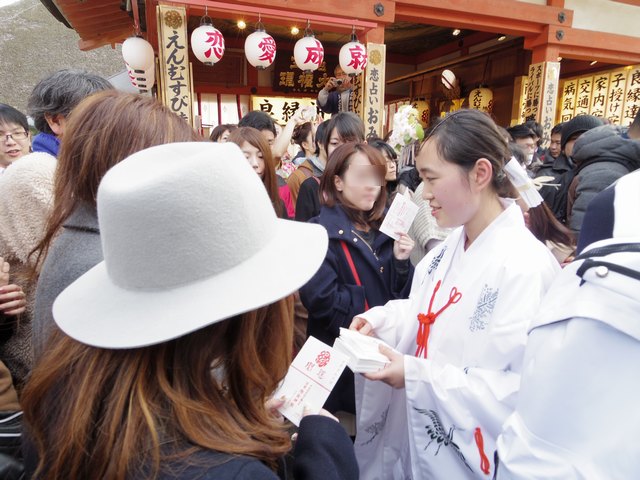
(352, 265)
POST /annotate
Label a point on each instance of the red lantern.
(207, 42)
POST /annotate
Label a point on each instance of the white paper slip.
(310, 379)
(399, 216)
(362, 351)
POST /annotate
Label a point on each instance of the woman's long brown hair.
(256, 139)
(98, 413)
(104, 129)
(545, 226)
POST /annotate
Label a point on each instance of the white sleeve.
(323, 96)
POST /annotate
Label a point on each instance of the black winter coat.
(332, 296)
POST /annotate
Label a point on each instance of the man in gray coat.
(602, 156)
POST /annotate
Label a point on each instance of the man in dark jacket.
(602, 156)
(554, 164)
(571, 131)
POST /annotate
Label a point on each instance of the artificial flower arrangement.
(406, 128)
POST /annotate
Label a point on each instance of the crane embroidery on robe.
(435, 261)
(376, 428)
(437, 433)
(484, 308)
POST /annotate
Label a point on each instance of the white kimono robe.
(445, 422)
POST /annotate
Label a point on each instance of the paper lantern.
(207, 42)
(449, 79)
(260, 49)
(481, 99)
(140, 60)
(424, 112)
(308, 53)
(353, 57)
(143, 80)
(137, 53)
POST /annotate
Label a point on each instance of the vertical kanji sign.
(534, 91)
(373, 89)
(631, 96)
(174, 60)
(542, 94)
(612, 94)
(567, 108)
(549, 98)
(583, 96)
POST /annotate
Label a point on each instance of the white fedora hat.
(190, 238)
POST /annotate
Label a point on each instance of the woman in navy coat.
(363, 267)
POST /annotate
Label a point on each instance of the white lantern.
(481, 99)
(207, 42)
(260, 49)
(137, 53)
(353, 57)
(139, 57)
(143, 80)
(308, 53)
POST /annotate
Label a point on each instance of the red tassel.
(485, 465)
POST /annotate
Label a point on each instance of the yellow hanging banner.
(174, 60)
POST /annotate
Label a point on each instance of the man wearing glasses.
(15, 140)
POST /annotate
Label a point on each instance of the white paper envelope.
(399, 216)
(310, 379)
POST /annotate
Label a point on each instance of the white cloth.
(26, 199)
(577, 415)
(472, 374)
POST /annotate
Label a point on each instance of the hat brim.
(122, 318)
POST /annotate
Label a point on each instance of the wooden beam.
(360, 9)
(498, 16)
(152, 23)
(375, 36)
(337, 19)
(100, 40)
(588, 45)
(468, 41)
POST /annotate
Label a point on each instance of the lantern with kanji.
(207, 42)
(353, 57)
(481, 98)
(424, 112)
(139, 57)
(260, 49)
(308, 52)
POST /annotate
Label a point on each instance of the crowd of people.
(155, 286)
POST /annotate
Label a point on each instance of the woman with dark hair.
(303, 136)
(343, 127)
(542, 222)
(258, 153)
(391, 159)
(221, 133)
(363, 267)
(100, 132)
(169, 351)
(15, 139)
(436, 410)
(311, 161)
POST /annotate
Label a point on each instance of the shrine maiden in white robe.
(445, 422)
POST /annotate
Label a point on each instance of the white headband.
(525, 186)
